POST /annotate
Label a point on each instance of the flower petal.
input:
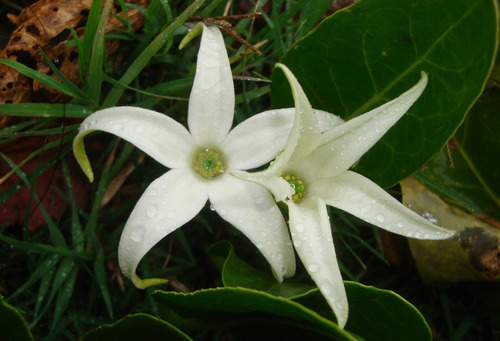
(211, 103)
(164, 139)
(305, 135)
(327, 121)
(312, 238)
(363, 198)
(252, 210)
(258, 139)
(169, 202)
(342, 146)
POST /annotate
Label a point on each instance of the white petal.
(344, 145)
(269, 179)
(168, 203)
(163, 138)
(211, 103)
(305, 135)
(312, 238)
(363, 198)
(252, 210)
(258, 139)
(327, 121)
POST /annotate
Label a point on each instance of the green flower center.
(208, 163)
(297, 185)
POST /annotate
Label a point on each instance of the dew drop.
(259, 200)
(380, 218)
(313, 267)
(212, 207)
(259, 245)
(117, 126)
(326, 287)
(137, 234)
(417, 235)
(273, 112)
(297, 243)
(211, 36)
(300, 227)
(151, 210)
(400, 224)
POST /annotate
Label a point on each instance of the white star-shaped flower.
(200, 161)
(313, 171)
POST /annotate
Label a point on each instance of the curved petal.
(168, 203)
(211, 103)
(342, 146)
(252, 210)
(304, 136)
(363, 198)
(326, 120)
(260, 138)
(312, 238)
(269, 179)
(161, 137)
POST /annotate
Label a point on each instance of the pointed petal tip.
(145, 283)
(195, 31)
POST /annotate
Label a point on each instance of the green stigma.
(297, 185)
(208, 163)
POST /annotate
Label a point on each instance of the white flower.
(312, 172)
(200, 161)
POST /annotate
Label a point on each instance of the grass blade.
(148, 53)
(41, 77)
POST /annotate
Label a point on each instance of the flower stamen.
(297, 185)
(208, 163)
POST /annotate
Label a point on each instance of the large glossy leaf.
(369, 53)
(12, 324)
(249, 313)
(235, 272)
(374, 314)
(450, 175)
(478, 140)
(138, 327)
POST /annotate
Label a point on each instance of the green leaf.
(479, 143)
(450, 176)
(140, 327)
(235, 273)
(374, 50)
(375, 314)
(12, 324)
(248, 311)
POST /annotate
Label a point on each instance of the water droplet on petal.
(297, 243)
(259, 245)
(326, 287)
(117, 126)
(380, 218)
(139, 129)
(151, 210)
(300, 227)
(212, 207)
(313, 267)
(259, 200)
(137, 234)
